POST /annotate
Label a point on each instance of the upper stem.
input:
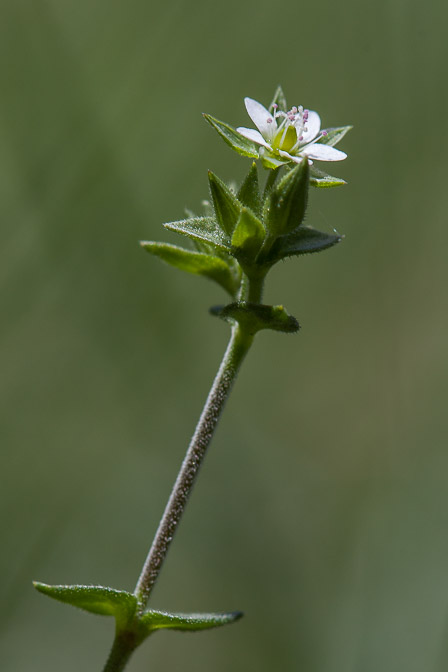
(237, 348)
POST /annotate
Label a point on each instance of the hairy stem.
(240, 341)
(239, 344)
(122, 650)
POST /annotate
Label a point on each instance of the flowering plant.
(242, 235)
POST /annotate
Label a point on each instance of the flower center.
(289, 134)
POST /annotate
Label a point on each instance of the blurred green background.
(322, 509)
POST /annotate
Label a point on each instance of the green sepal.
(254, 317)
(249, 192)
(158, 620)
(248, 236)
(280, 100)
(237, 141)
(204, 229)
(334, 135)
(318, 178)
(95, 599)
(288, 200)
(270, 162)
(197, 263)
(302, 241)
(227, 207)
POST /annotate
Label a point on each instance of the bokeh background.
(322, 509)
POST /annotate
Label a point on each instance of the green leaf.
(226, 204)
(249, 193)
(157, 620)
(197, 263)
(303, 241)
(95, 599)
(288, 200)
(318, 178)
(204, 229)
(255, 317)
(334, 135)
(280, 100)
(248, 236)
(237, 141)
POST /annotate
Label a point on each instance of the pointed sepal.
(158, 620)
(95, 599)
(203, 229)
(279, 99)
(288, 200)
(236, 141)
(254, 317)
(249, 192)
(248, 236)
(319, 178)
(226, 205)
(198, 263)
(303, 241)
(334, 135)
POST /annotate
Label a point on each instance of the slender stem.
(122, 650)
(238, 347)
(125, 641)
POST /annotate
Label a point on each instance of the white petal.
(260, 115)
(323, 152)
(313, 126)
(252, 134)
(289, 157)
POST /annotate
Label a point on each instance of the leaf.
(204, 229)
(95, 599)
(197, 263)
(255, 317)
(280, 100)
(334, 135)
(248, 235)
(288, 200)
(303, 241)
(249, 193)
(237, 141)
(226, 204)
(156, 620)
(318, 178)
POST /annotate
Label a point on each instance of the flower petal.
(260, 115)
(313, 126)
(289, 157)
(323, 152)
(252, 134)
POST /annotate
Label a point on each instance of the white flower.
(288, 136)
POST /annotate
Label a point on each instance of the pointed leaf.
(249, 193)
(237, 141)
(288, 200)
(248, 236)
(280, 100)
(318, 178)
(255, 317)
(95, 599)
(334, 135)
(156, 620)
(204, 229)
(226, 204)
(194, 262)
(303, 241)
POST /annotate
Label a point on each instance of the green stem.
(121, 652)
(238, 347)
